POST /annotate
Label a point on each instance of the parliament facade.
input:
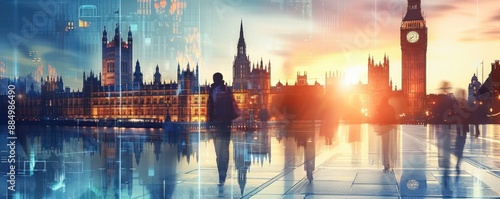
(119, 92)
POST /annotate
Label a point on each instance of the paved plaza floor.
(300, 160)
(352, 168)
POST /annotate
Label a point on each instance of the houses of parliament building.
(119, 92)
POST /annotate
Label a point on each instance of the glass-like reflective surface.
(301, 159)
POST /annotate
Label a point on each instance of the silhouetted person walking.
(219, 116)
(329, 115)
(444, 111)
(385, 120)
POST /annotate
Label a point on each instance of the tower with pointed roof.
(414, 58)
(117, 59)
(241, 64)
(474, 86)
(138, 77)
(259, 83)
(188, 83)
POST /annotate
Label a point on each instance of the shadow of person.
(242, 143)
(443, 139)
(459, 150)
(306, 139)
(329, 115)
(462, 127)
(310, 157)
(222, 137)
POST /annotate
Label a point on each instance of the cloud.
(495, 17)
(493, 33)
(294, 42)
(441, 9)
(485, 34)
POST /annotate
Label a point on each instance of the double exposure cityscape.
(249, 99)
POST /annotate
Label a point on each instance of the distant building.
(378, 75)
(254, 81)
(474, 86)
(301, 79)
(241, 64)
(148, 102)
(379, 83)
(184, 100)
(298, 101)
(495, 89)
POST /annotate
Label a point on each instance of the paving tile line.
(474, 169)
(485, 176)
(477, 164)
(322, 158)
(304, 180)
(269, 182)
(359, 170)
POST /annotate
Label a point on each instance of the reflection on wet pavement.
(300, 160)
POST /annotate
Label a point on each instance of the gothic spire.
(157, 76)
(129, 34)
(241, 42)
(241, 30)
(117, 31)
(104, 36)
(178, 68)
(197, 70)
(269, 67)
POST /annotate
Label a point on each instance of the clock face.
(412, 37)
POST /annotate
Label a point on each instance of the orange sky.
(462, 33)
(338, 36)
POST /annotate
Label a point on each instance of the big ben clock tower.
(414, 58)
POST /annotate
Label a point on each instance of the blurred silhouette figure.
(385, 120)
(462, 127)
(222, 137)
(222, 127)
(354, 117)
(478, 117)
(305, 138)
(443, 139)
(309, 157)
(329, 116)
(476, 126)
(444, 109)
(459, 149)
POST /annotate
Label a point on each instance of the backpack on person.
(225, 106)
